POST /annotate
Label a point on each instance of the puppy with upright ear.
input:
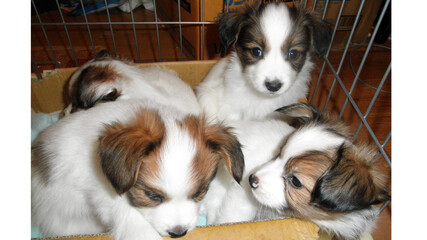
(322, 176)
(271, 46)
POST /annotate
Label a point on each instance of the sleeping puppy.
(137, 168)
(321, 176)
(110, 77)
(270, 61)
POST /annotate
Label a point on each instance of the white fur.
(226, 201)
(161, 84)
(78, 198)
(230, 92)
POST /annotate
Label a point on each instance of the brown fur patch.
(214, 143)
(40, 160)
(308, 168)
(83, 95)
(125, 148)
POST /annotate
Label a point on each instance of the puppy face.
(319, 174)
(165, 166)
(273, 43)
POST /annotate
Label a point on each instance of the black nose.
(273, 86)
(177, 232)
(253, 181)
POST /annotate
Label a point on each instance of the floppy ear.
(302, 112)
(223, 141)
(122, 149)
(94, 84)
(321, 34)
(352, 183)
(230, 23)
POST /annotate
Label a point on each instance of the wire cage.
(352, 81)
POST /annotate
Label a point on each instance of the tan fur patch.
(126, 148)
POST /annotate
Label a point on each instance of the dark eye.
(155, 197)
(256, 52)
(293, 54)
(295, 182)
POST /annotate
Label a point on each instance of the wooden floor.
(374, 68)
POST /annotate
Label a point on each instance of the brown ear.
(223, 141)
(123, 147)
(85, 91)
(352, 183)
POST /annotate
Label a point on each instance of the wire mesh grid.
(371, 123)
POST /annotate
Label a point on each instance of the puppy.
(110, 77)
(270, 61)
(137, 168)
(321, 176)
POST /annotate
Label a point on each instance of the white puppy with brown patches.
(136, 168)
(270, 61)
(110, 77)
(321, 176)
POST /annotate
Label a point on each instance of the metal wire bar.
(122, 23)
(66, 33)
(35, 67)
(111, 27)
(157, 30)
(88, 28)
(134, 31)
(180, 27)
(329, 48)
(371, 104)
(305, 4)
(365, 56)
(383, 145)
(314, 5)
(326, 8)
(203, 30)
(353, 29)
(45, 34)
(358, 112)
(384, 206)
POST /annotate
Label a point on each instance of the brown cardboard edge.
(48, 95)
(285, 228)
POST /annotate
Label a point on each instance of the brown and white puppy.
(137, 168)
(321, 176)
(110, 77)
(270, 61)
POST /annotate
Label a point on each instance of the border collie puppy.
(270, 61)
(321, 176)
(137, 167)
(110, 77)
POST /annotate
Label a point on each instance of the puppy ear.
(230, 23)
(352, 183)
(321, 34)
(223, 141)
(94, 84)
(319, 30)
(302, 112)
(123, 147)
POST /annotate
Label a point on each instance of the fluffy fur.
(320, 175)
(312, 171)
(269, 64)
(109, 77)
(137, 168)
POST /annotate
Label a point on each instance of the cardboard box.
(48, 96)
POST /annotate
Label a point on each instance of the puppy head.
(96, 81)
(273, 43)
(320, 174)
(165, 166)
